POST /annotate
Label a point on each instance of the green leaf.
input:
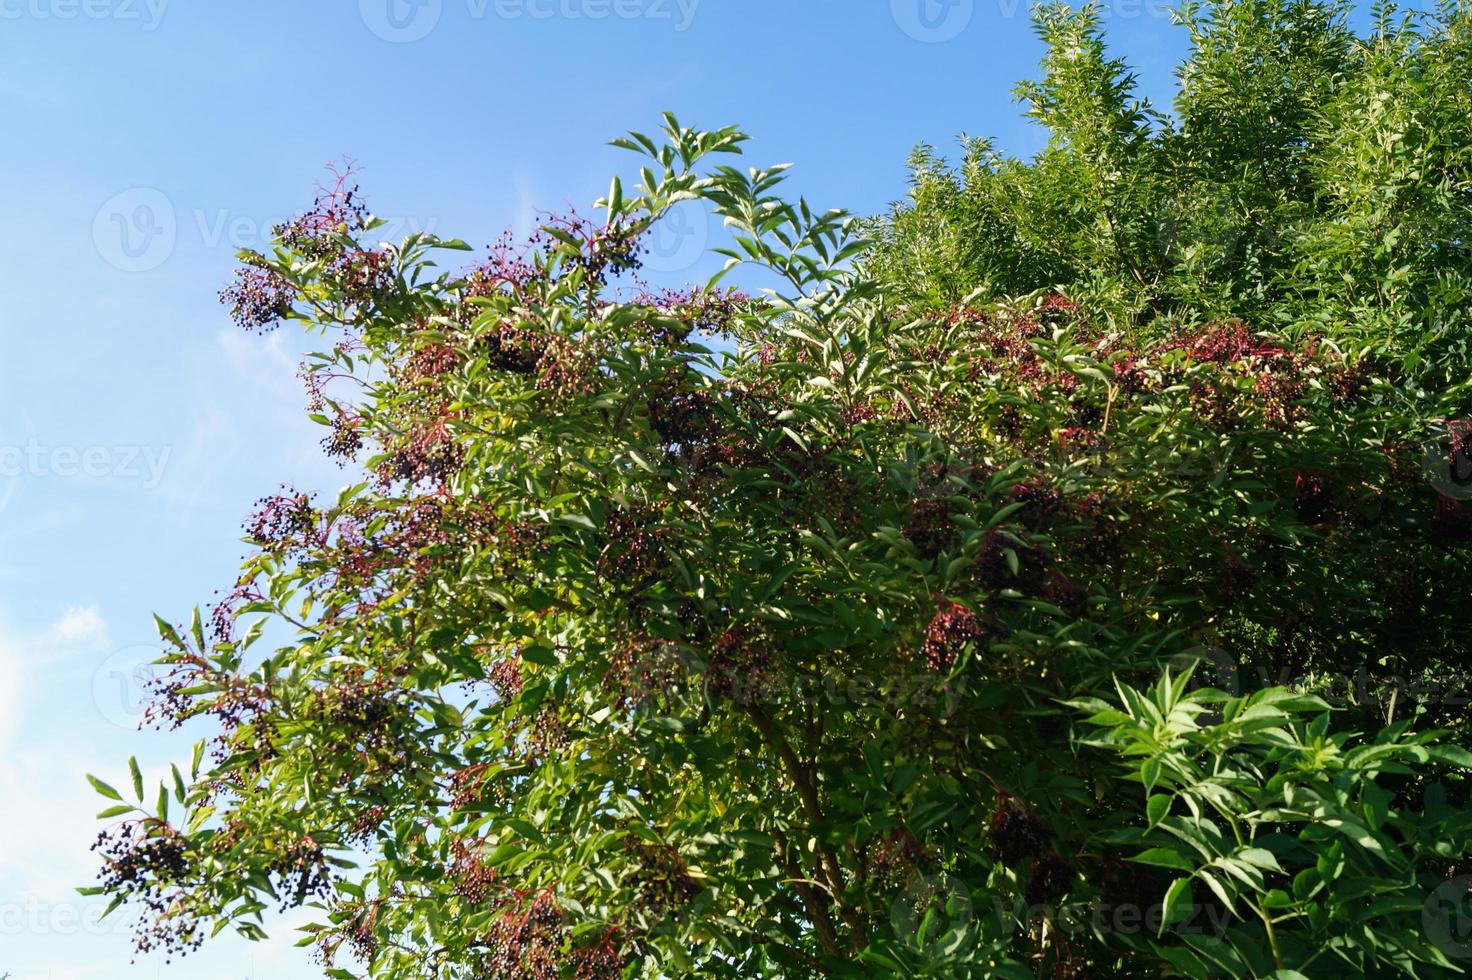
(1165, 857)
(103, 789)
(1178, 904)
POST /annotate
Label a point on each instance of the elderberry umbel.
(282, 520)
(514, 347)
(1016, 832)
(148, 861)
(895, 859)
(634, 556)
(1049, 879)
(952, 629)
(659, 876)
(741, 667)
(681, 414)
(929, 526)
(643, 670)
(259, 299)
(302, 873)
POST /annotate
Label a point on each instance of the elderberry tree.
(702, 634)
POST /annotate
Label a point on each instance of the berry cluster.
(1078, 441)
(605, 251)
(634, 556)
(429, 454)
(1065, 593)
(1225, 343)
(1044, 502)
(284, 520)
(346, 438)
(1451, 521)
(1129, 884)
(525, 940)
(365, 824)
(681, 414)
(1098, 537)
(149, 862)
(1312, 498)
(1235, 579)
(568, 369)
(336, 211)
(895, 859)
(476, 784)
(302, 873)
(1049, 879)
(514, 348)
(659, 876)
(258, 298)
(474, 881)
(363, 718)
(953, 628)
(505, 677)
(361, 931)
(1016, 832)
(430, 361)
(644, 669)
(682, 312)
(506, 270)
(741, 667)
(929, 526)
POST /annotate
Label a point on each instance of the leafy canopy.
(928, 615)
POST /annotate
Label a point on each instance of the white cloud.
(79, 629)
(80, 626)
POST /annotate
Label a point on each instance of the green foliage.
(1307, 179)
(701, 634)
(1286, 826)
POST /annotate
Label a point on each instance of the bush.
(696, 633)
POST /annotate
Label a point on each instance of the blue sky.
(145, 140)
